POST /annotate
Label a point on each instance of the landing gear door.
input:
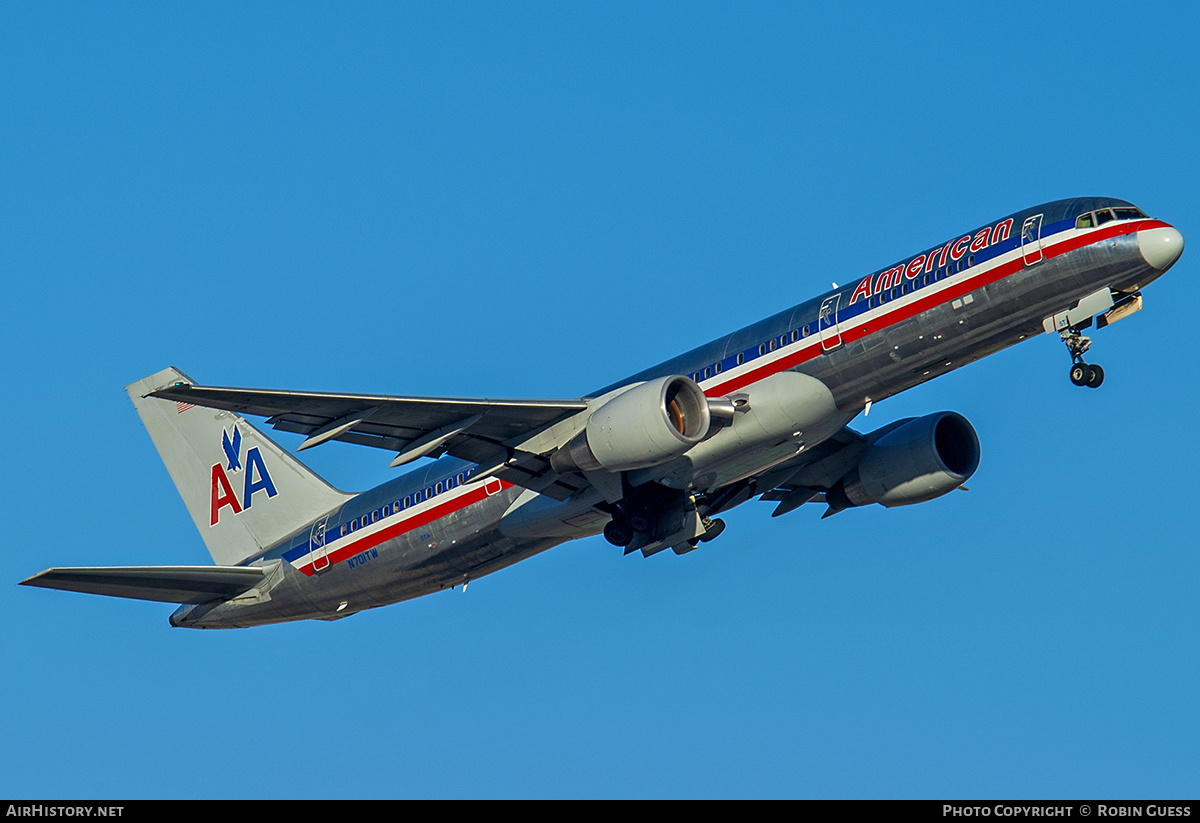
(316, 539)
(1031, 240)
(827, 323)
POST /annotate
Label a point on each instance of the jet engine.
(772, 420)
(910, 462)
(645, 425)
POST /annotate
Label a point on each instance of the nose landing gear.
(1082, 374)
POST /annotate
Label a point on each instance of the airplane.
(648, 461)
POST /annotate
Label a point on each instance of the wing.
(511, 439)
(806, 477)
(501, 436)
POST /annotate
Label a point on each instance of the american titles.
(952, 251)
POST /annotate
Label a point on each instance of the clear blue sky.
(523, 199)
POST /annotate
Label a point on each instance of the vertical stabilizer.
(244, 492)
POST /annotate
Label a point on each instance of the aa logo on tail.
(255, 477)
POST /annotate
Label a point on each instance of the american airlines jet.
(650, 461)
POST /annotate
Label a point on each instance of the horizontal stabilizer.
(166, 584)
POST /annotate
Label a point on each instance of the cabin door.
(1031, 240)
(827, 323)
(320, 554)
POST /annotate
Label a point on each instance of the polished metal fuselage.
(868, 344)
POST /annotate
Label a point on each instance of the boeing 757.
(649, 461)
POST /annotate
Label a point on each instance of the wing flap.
(806, 477)
(165, 584)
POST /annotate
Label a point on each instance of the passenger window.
(741, 358)
(782, 340)
(438, 488)
(374, 517)
(396, 507)
(771, 345)
(717, 368)
(345, 530)
(795, 335)
(762, 349)
(1084, 221)
(971, 260)
(804, 331)
(707, 372)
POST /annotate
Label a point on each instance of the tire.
(618, 533)
(1080, 373)
(1096, 377)
(714, 531)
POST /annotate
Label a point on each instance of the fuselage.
(879, 334)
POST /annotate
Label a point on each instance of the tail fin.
(243, 491)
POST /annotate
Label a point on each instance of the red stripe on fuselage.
(415, 521)
(985, 277)
(807, 352)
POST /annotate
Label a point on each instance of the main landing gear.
(622, 531)
(652, 518)
(1082, 374)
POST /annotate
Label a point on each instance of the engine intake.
(645, 425)
(911, 462)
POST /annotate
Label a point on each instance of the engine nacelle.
(643, 426)
(777, 416)
(915, 461)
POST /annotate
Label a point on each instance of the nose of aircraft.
(1160, 247)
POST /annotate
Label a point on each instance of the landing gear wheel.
(1096, 377)
(1081, 373)
(618, 533)
(714, 530)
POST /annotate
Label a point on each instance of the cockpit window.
(1129, 213)
(1102, 216)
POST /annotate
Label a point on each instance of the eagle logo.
(233, 449)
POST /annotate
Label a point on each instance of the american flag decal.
(181, 407)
